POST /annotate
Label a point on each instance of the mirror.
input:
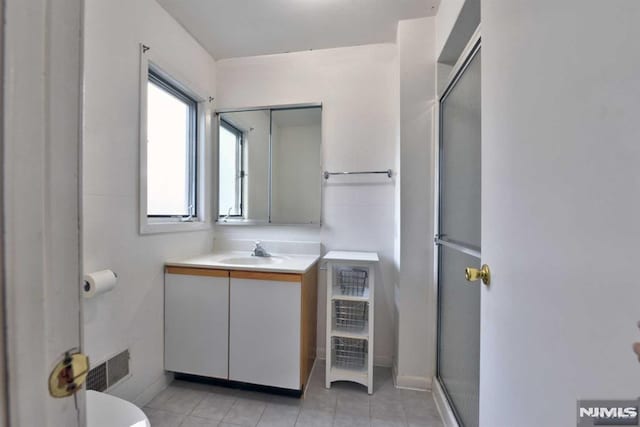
(270, 166)
(243, 172)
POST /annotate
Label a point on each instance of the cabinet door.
(264, 332)
(196, 326)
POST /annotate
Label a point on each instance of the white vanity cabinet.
(244, 326)
(196, 321)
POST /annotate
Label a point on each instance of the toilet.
(104, 410)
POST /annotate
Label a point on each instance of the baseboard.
(442, 404)
(382, 361)
(412, 383)
(150, 392)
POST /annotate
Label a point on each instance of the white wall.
(448, 12)
(416, 296)
(560, 208)
(132, 315)
(358, 87)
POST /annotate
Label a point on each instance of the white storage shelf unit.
(350, 317)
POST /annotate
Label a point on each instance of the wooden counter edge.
(265, 275)
(196, 271)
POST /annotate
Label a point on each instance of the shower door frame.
(443, 400)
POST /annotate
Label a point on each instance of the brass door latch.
(473, 274)
(69, 375)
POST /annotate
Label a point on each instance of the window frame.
(240, 142)
(173, 81)
(155, 78)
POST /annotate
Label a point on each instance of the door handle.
(473, 274)
(68, 375)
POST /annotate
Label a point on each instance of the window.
(171, 151)
(231, 171)
(174, 134)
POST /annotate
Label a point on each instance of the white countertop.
(277, 263)
(351, 256)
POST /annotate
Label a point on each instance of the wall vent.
(109, 373)
(97, 378)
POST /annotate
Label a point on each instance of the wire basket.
(353, 281)
(349, 353)
(350, 315)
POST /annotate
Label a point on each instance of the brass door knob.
(68, 375)
(473, 274)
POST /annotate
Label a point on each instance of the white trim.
(412, 383)
(168, 225)
(147, 226)
(446, 414)
(407, 382)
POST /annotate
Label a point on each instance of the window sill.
(157, 226)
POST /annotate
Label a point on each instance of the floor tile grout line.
(295, 423)
(196, 405)
(261, 414)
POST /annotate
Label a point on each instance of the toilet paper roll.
(98, 282)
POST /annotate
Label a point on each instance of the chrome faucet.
(259, 250)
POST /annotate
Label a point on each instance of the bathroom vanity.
(246, 319)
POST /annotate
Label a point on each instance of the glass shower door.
(458, 241)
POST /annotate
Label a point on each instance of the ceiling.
(235, 28)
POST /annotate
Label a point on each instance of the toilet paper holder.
(98, 283)
(86, 285)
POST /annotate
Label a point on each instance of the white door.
(40, 212)
(264, 332)
(560, 208)
(196, 323)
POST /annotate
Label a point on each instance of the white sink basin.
(252, 260)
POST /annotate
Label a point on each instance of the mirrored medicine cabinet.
(269, 165)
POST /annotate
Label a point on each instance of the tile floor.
(185, 404)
